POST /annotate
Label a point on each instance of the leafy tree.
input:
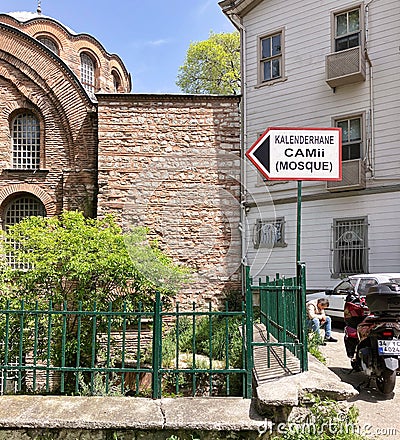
(76, 261)
(74, 258)
(212, 66)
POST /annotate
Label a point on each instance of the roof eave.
(238, 7)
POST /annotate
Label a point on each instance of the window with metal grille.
(18, 209)
(271, 57)
(269, 233)
(49, 43)
(352, 137)
(87, 73)
(26, 142)
(350, 246)
(347, 29)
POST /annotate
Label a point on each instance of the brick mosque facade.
(73, 136)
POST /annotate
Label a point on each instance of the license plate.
(389, 346)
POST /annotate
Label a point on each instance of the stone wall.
(172, 163)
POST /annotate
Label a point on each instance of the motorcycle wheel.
(386, 381)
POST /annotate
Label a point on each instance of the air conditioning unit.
(345, 67)
(353, 176)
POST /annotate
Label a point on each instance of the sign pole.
(301, 286)
(298, 237)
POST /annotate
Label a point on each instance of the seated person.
(317, 319)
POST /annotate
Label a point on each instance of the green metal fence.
(282, 313)
(61, 349)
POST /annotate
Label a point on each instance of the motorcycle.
(355, 311)
(372, 334)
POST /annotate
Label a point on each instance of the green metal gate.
(281, 311)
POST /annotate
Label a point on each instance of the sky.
(150, 36)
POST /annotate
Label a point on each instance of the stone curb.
(98, 413)
(188, 413)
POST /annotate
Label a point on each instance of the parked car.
(360, 283)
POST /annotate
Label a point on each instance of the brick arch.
(18, 188)
(47, 70)
(71, 41)
(21, 54)
(31, 99)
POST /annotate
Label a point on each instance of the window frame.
(347, 143)
(23, 196)
(90, 87)
(281, 56)
(360, 32)
(117, 81)
(338, 252)
(258, 244)
(39, 157)
(39, 210)
(43, 38)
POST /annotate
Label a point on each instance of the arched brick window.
(25, 137)
(20, 207)
(88, 73)
(25, 205)
(116, 81)
(49, 43)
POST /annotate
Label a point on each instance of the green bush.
(328, 420)
(217, 338)
(203, 341)
(314, 342)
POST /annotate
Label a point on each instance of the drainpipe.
(237, 22)
(370, 153)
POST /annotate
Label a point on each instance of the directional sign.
(298, 153)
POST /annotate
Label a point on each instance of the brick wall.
(70, 45)
(171, 162)
(35, 81)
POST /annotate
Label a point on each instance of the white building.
(333, 63)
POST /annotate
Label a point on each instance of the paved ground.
(379, 415)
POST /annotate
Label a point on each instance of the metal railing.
(63, 349)
(282, 313)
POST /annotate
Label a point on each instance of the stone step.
(280, 386)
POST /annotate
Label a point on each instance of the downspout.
(370, 153)
(372, 100)
(237, 22)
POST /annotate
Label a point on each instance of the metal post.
(298, 238)
(301, 316)
(249, 335)
(304, 333)
(301, 285)
(157, 347)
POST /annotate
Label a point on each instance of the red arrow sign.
(298, 153)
